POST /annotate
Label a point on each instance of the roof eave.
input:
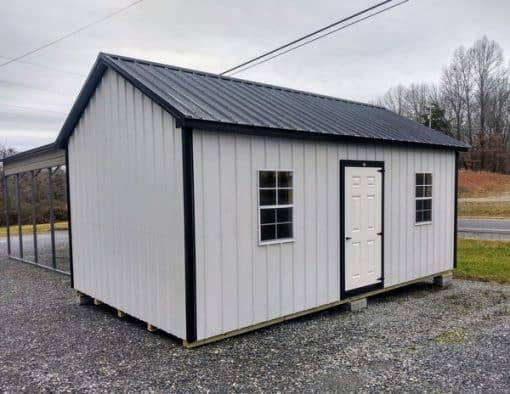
(301, 134)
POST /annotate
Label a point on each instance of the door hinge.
(379, 233)
(381, 278)
(347, 238)
(380, 170)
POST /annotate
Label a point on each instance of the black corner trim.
(358, 163)
(69, 226)
(189, 234)
(455, 213)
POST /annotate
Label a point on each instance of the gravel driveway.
(420, 339)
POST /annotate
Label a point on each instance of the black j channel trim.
(455, 214)
(189, 234)
(69, 225)
(358, 163)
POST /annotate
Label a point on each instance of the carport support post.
(18, 212)
(7, 209)
(34, 218)
(52, 218)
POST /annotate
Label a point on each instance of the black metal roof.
(209, 101)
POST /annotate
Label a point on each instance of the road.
(484, 228)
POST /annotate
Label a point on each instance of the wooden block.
(97, 302)
(151, 328)
(120, 314)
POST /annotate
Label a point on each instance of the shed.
(208, 206)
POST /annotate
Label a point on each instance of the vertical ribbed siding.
(240, 283)
(127, 208)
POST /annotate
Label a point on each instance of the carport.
(36, 208)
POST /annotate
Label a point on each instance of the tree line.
(471, 102)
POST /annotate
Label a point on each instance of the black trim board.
(455, 213)
(71, 271)
(358, 163)
(189, 235)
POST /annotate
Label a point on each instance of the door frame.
(358, 163)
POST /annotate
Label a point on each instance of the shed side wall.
(125, 160)
(240, 283)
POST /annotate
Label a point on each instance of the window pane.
(427, 216)
(284, 179)
(427, 204)
(419, 179)
(419, 205)
(284, 196)
(267, 179)
(419, 191)
(284, 215)
(267, 232)
(419, 216)
(428, 191)
(428, 179)
(284, 230)
(267, 216)
(268, 197)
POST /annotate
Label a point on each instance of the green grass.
(483, 260)
(27, 228)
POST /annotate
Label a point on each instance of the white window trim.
(424, 198)
(259, 207)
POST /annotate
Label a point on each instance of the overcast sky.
(408, 44)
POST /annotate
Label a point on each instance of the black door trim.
(358, 163)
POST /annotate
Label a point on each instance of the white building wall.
(125, 163)
(240, 283)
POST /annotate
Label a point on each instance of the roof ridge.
(237, 80)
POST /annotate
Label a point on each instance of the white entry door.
(363, 227)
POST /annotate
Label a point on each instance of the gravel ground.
(420, 339)
(43, 248)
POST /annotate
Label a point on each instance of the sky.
(410, 43)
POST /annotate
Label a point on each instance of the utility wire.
(33, 108)
(15, 59)
(46, 67)
(2, 81)
(307, 36)
(319, 37)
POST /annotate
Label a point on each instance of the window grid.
(423, 197)
(275, 206)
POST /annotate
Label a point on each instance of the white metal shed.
(208, 206)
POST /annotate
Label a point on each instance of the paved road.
(484, 228)
(496, 225)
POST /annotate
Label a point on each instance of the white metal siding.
(125, 160)
(240, 283)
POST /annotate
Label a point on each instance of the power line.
(33, 108)
(15, 59)
(307, 36)
(35, 88)
(319, 37)
(46, 67)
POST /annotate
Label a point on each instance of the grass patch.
(26, 229)
(450, 337)
(483, 260)
(485, 209)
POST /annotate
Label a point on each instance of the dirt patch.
(483, 184)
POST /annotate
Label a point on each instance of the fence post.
(52, 218)
(34, 217)
(7, 212)
(18, 211)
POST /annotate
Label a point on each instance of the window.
(275, 206)
(423, 198)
